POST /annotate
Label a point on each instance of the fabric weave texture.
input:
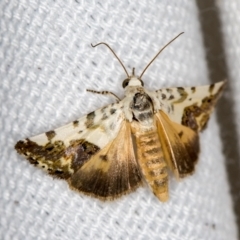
(46, 65)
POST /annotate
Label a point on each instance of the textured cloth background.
(47, 63)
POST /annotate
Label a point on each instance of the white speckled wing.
(189, 106)
(62, 151)
(98, 127)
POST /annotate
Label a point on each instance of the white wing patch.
(98, 127)
(63, 151)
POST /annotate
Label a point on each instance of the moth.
(138, 139)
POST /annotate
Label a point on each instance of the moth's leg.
(105, 93)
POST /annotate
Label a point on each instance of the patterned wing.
(189, 106)
(94, 154)
(63, 151)
(180, 145)
(112, 172)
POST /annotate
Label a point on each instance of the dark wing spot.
(58, 172)
(202, 112)
(206, 101)
(103, 157)
(75, 123)
(183, 95)
(104, 116)
(211, 87)
(103, 109)
(180, 134)
(190, 114)
(112, 110)
(193, 89)
(180, 88)
(50, 135)
(81, 151)
(163, 96)
(90, 119)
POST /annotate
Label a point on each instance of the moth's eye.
(125, 82)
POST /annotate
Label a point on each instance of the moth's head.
(133, 80)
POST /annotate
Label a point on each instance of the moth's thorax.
(142, 108)
(138, 104)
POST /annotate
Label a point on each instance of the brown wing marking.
(196, 115)
(112, 172)
(180, 145)
(57, 159)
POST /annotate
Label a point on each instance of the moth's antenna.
(159, 53)
(114, 55)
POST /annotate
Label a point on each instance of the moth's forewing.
(63, 151)
(191, 106)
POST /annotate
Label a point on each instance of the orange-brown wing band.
(111, 172)
(180, 145)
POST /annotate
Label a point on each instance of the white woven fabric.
(46, 63)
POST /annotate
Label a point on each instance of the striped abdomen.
(151, 161)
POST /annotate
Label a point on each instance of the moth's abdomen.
(151, 161)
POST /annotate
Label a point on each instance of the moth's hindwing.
(113, 171)
(180, 145)
(190, 106)
(91, 145)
